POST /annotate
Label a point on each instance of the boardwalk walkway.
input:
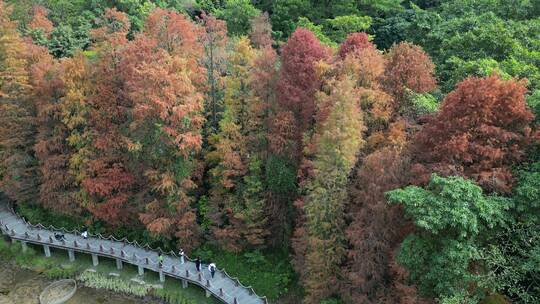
(222, 286)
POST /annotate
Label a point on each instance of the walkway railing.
(224, 287)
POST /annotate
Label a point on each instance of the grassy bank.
(103, 276)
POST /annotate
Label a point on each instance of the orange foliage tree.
(480, 132)
(17, 114)
(231, 152)
(74, 108)
(40, 22)
(52, 150)
(238, 196)
(163, 75)
(107, 180)
(375, 229)
(408, 68)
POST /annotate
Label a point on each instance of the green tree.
(137, 10)
(452, 216)
(527, 194)
(255, 204)
(328, 9)
(64, 42)
(380, 7)
(533, 100)
(285, 14)
(238, 15)
(317, 30)
(513, 262)
(413, 25)
(339, 27)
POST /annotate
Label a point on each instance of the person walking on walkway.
(212, 269)
(84, 233)
(181, 254)
(198, 264)
(59, 236)
(160, 260)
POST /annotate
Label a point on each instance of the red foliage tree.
(112, 25)
(262, 81)
(107, 180)
(354, 43)
(408, 67)
(374, 229)
(480, 132)
(296, 87)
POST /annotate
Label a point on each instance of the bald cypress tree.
(337, 140)
(17, 114)
(237, 194)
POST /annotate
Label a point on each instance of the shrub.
(5, 252)
(280, 176)
(269, 273)
(100, 281)
(61, 272)
(173, 296)
(495, 299)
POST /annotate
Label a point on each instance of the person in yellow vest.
(160, 260)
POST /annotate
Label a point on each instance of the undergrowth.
(270, 274)
(97, 280)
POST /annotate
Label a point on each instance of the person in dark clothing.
(59, 236)
(198, 264)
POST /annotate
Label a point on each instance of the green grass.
(58, 266)
(270, 274)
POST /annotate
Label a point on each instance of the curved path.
(222, 286)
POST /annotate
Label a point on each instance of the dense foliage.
(387, 151)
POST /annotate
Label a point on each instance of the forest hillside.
(324, 151)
